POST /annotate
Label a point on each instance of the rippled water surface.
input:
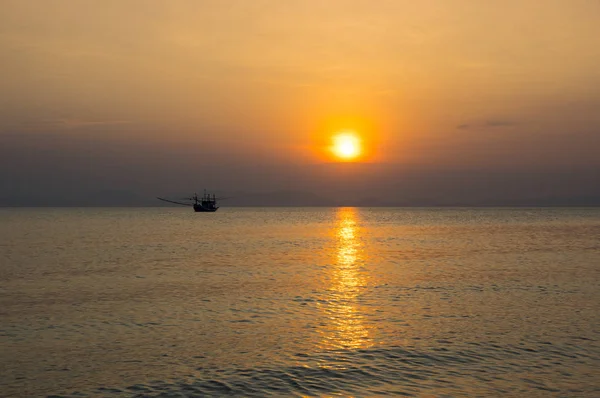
(317, 302)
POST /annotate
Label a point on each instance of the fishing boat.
(205, 204)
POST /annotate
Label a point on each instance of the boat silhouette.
(207, 203)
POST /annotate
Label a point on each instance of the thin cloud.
(82, 123)
(495, 123)
(500, 123)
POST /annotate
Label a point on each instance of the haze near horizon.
(112, 102)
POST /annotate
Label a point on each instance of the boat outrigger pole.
(172, 201)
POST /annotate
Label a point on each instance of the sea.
(416, 302)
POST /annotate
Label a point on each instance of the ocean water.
(300, 302)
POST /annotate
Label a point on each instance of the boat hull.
(202, 209)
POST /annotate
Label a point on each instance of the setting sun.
(346, 145)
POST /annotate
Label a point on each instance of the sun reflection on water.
(345, 325)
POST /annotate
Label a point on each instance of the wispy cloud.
(500, 123)
(73, 123)
(491, 123)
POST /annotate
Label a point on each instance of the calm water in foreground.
(318, 302)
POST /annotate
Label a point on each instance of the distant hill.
(277, 198)
(281, 198)
(104, 198)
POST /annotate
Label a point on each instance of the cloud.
(42, 124)
(500, 123)
(81, 123)
(495, 123)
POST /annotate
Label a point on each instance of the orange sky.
(461, 83)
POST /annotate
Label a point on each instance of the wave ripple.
(474, 369)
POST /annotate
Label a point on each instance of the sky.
(455, 102)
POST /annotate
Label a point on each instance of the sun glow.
(346, 145)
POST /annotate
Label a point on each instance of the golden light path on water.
(345, 320)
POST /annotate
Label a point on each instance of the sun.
(346, 145)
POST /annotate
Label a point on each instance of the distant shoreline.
(524, 206)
